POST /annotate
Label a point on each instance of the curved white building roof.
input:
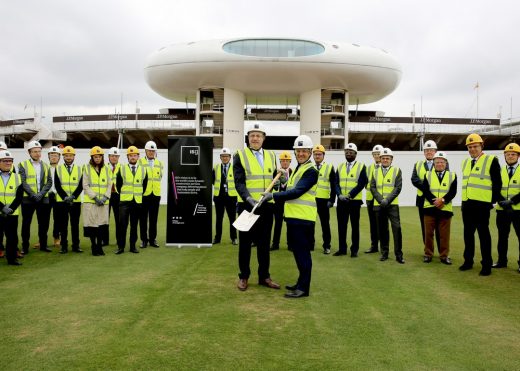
(270, 69)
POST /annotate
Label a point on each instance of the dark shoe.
(371, 251)
(19, 255)
(326, 251)
(25, 250)
(154, 244)
(143, 245)
(105, 243)
(77, 250)
(234, 241)
(446, 261)
(400, 260)
(134, 250)
(499, 265)
(383, 258)
(94, 251)
(427, 259)
(45, 249)
(465, 267)
(100, 251)
(339, 253)
(485, 272)
(14, 263)
(64, 250)
(215, 241)
(242, 284)
(269, 283)
(274, 247)
(291, 288)
(119, 251)
(353, 255)
(296, 294)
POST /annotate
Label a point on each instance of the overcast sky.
(77, 57)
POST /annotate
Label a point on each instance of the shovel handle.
(268, 189)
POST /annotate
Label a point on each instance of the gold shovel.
(246, 219)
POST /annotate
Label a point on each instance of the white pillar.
(310, 114)
(197, 113)
(346, 119)
(234, 102)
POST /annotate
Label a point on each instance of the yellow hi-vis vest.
(98, 182)
(69, 182)
(8, 191)
(421, 173)
(386, 184)
(257, 179)
(232, 192)
(439, 189)
(476, 182)
(113, 173)
(323, 190)
(30, 174)
(155, 175)
(132, 188)
(370, 175)
(349, 181)
(510, 187)
(303, 207)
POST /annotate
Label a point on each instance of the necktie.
(510, 172)
(260, 158)
(439, 175)
(348, 167)
(133, 170)
(429, 165)
(385, 170)
(473, 163)
(225, 170)
(319, 167)
(69, 169)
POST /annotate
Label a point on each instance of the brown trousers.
(443, 224)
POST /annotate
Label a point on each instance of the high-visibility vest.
(385, 184)
(232, 192)
(155, 175)
(257, 179)
(440, 189)
(113, 174)
(421, 173)
(476, 182)
(30, 174)
(303, 207)
(98, 182)
(370, 175)
(8, 191)
(323, 189)
(348, 182)
(132, 188)
(510, 187)
(69, 182)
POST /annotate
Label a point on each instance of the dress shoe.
(19, 255)
(296, 294)
(216, 241)
(339, 253)
(242, 284)
(291, 288)
(234, 241)
(143, 245)
(154, 244)
(45, 249)
(326, 251)
(400, 260)
(499, 265)
(77, 249)
(14, 263)
(353, 255)
(64, 251)
(485, 272)
(25, 250)
(446, 261)
(465, 267)
(119, 251)
(269, 283)
(427, 259)
(134, 250)
(383, 258)
(371, 251)
(274, 247)
(36, 245)
(57, 242)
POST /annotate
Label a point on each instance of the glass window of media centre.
(273, 48)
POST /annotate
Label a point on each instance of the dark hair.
(93, 164)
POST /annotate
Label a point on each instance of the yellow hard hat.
(97, 150)
(512, 147)
(473, 138)
(285, 155)
(69, 150)
(132, 150)
(318, 148)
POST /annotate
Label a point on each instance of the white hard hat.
(352, 147)
(34, 144)
(377, 148)
(3, 145)
(386, 152)
(54, 149)
(6, 154)
(257, 127)
(303, 142)
(430, 144)
(225, 151)
(150, 145)
(440, 154)
(114, 151)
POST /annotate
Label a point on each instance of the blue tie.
(260, 158)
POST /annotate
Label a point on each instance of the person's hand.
(330, 204)
(104, 199)
(98, 201)
(266, 197)
(37, 197)
(505, 204)
(384, 202)
(343, 198)
(438, 203)
(251, 201)
(69, 199)
(7, 210)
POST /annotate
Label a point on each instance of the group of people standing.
(132, 191)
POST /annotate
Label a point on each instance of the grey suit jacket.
(47, 184)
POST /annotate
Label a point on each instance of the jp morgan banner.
(190, 161)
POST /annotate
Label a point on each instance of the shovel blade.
(245, 221)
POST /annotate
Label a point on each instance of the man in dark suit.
(285, 163)
(224, 196)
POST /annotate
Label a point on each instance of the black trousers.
(324, 215)
(278, 222)
(372, 219)
(345, 211)
(129, 211)
(260, 233)
(225, 203)
(504, 220)
(299, 239)
(55, 216)
(43, 213)
(73, 212)
(476, 218)
(9, 228)
(389, 213)
(113, 205)
(148, 218)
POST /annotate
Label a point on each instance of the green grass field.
(179, 309)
